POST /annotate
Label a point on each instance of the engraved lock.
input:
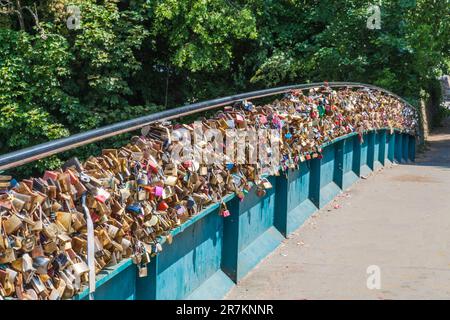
(85, 178)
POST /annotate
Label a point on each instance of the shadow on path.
(438, 151)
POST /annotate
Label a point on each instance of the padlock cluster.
(137, 194)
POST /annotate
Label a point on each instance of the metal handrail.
(53, 147)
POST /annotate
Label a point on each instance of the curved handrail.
(53, 147)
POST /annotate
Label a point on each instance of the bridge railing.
(27, 155)
(210, 254)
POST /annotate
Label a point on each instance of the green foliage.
(104, 47)
(31, 94)
(199, 35)
(134, 57)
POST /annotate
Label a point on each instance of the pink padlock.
(275, 119)
(239, 118)
(158, 191)
(226, 213)
(263, 119)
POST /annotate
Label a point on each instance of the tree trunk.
(19, 15)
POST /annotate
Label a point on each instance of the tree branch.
(8, 7)
(35, 16)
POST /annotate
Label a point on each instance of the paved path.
(397, 219)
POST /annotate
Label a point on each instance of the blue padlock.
(134, 208)
(13, 183)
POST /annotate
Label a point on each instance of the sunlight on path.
(397, 219)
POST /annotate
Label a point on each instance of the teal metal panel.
(357, 156)
(314, 181)
(194, 258)
(412, 148)
(328, 165)
(215, 288)
(338, 174)
(405, 147)
(389, 147)
(383, 149)
(146, 287)
(391, 141)
(298, 191)
(351, 161)
(191, 268)
(249, 234)
(398, 147)
(378, 147)
(256, 215)
(328, 171)
(347, 164)
(120, 288)
(114, 283)
(366, 155)
(293, 204)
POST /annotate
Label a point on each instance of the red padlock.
(50, 175)
(94, 217)
(263, 119)
(187, 164)
(73, 179)
(151, 191)
(163, 206)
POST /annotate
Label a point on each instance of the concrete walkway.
(397, 219)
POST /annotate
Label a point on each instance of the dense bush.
(134, 57)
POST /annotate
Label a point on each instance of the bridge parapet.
(211, 253)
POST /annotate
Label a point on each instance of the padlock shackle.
(47, 149)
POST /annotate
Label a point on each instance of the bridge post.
(314, 181)
(357, 156)
(390, 140)
(383, 145)
(371, 150)
(398, 147)
(366, 155)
